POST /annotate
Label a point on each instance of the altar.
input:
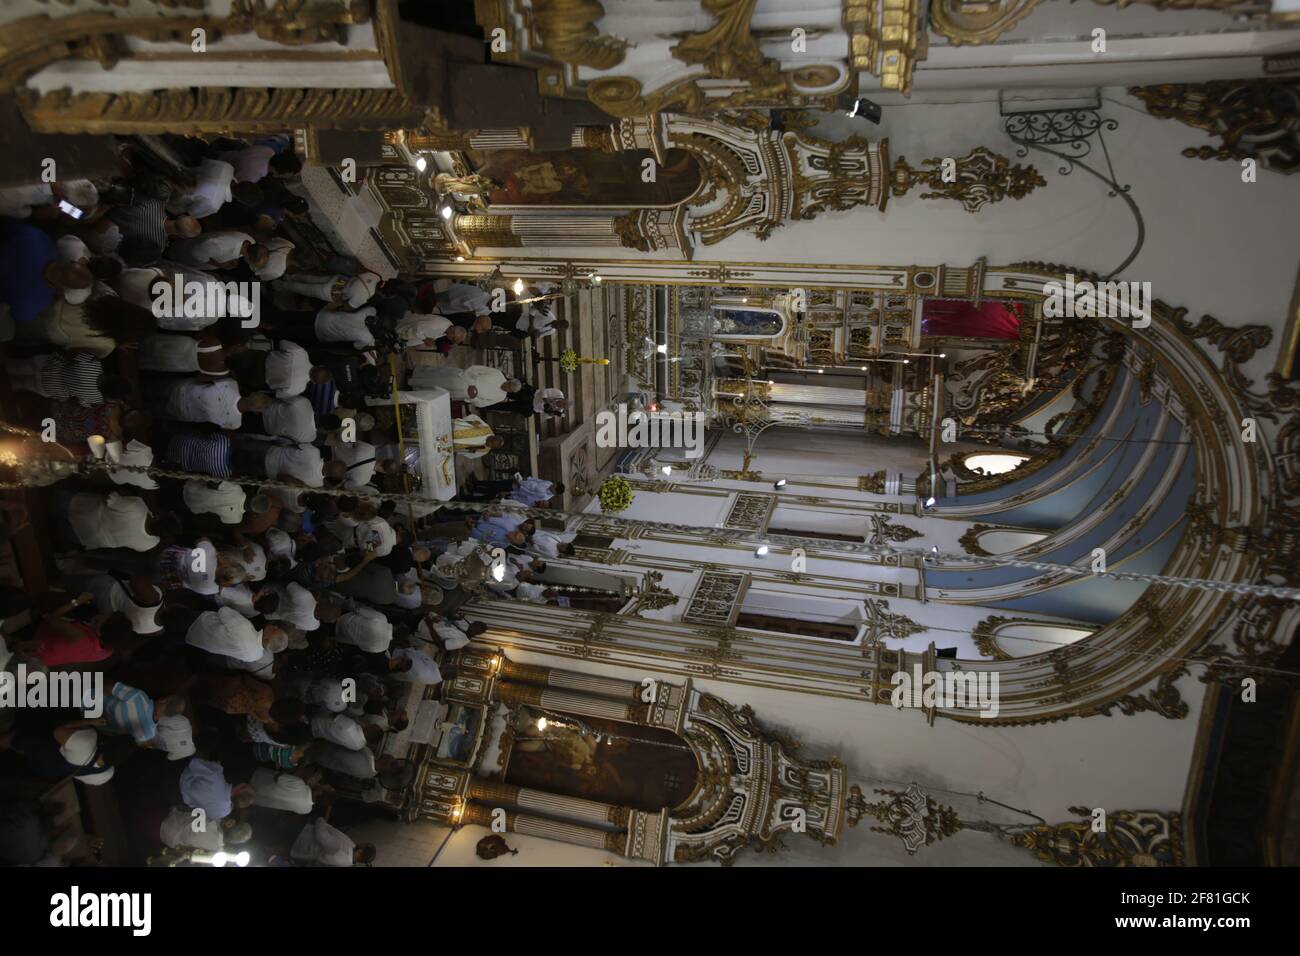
(427, 434)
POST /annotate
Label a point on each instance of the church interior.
(650, 433)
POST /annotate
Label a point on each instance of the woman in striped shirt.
(77, 375)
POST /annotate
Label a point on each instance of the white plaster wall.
(1213, 244)
(1119, 763)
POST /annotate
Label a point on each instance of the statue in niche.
(757, 323)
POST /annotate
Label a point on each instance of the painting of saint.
(584, 177)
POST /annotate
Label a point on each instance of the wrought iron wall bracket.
(1068, 135)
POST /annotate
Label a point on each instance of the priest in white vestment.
(480, 385)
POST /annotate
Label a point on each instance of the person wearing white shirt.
(297, 606)
(227, 632)
(288, 369)
(547, 544)
(544, 397)
(360, 458)
(218, 402)
(365, 628)
(519, 590)
(291, 418)
(250, 558)
(480, 385)
(136, 453)
(340, 325)
(338, 729)
(534, 593)
(371, 534)
(278, 260)
(359, 764)
(451, 634)
(326, 845)
(211, 250)
(409, 595)
(238, 596)
(181, 353)
(263, 668)
(328, 692)
(354, 291)
(301, 462)
(281, 791)
(416, 329)
(135, 285)
(115, 521)
(17, 202)
(250, 164)
(224, 499)
(423, 669)
(279, 544)
(463, 297)
(139, 600)
(180, 828)
(198, 570)
(212, 190)
(539, 321)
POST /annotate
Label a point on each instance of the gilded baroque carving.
(884, 625)
(873, 483)
(750, 782)
(1131, 838)
(214, 110)
(970, 540)
(985, 637)
(982, 177)
(884, 37)
(31, 43)
(1250, 118)
(964, 22)
(728, 50)
(1164, 699)
(911, 815)
(567, 32)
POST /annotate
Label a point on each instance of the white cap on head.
(80, 751)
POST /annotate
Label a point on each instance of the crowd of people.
(264, 616)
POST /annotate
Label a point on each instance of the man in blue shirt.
(500, 530)
(32, 272)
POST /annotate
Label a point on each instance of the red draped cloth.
(989, 320)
